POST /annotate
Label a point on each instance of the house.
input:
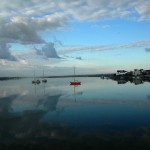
(146, 72)
(121, 72)
(137, 72)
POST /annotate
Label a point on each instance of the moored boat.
(75, 82)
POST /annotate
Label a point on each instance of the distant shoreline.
(61, 76)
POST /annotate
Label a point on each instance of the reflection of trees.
(124, 79)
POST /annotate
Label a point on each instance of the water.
(94, 114)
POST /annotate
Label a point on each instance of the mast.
(43, 73)
(34, 74)
(74, 73)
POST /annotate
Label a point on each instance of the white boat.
(44, 80)
(35, 81)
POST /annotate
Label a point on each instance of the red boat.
(75, 82)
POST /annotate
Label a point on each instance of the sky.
(95, 36)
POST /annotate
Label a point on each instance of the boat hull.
(75, 83)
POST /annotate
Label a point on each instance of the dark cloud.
(79, 58)
(147, 49)
(48, 50)
(15, 32)
(25, 31)
(5, 52)
(38, 51)
(57, 42)
(18, 31)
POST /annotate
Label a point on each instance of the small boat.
(44, 80)
(35, 81)
(38, 81)
(75, 82)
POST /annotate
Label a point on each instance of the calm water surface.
(100, 110)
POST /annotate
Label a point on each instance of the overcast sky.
(96, 36)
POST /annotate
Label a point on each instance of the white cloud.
(98, 26)
(25, 30)
(105, 26)
(21, 21)
(80, 10)
(136, 44)
(142, 8)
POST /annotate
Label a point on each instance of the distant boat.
(35, 81)
(75, 82)
(44, 80)
(38, 81)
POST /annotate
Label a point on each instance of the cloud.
(136, 44)
(89, 10)
(25, 30)
(79, 58)
(5, 52)
(57, 42)
(14, 31)
(24, 21)
(101, 26)
(81, 10)
(47, 50)
(18, 30)
(105, 26)
(147, 49)
(38, 51)
(50, 51)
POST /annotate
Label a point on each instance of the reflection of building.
(122, 81)
(137, 81)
